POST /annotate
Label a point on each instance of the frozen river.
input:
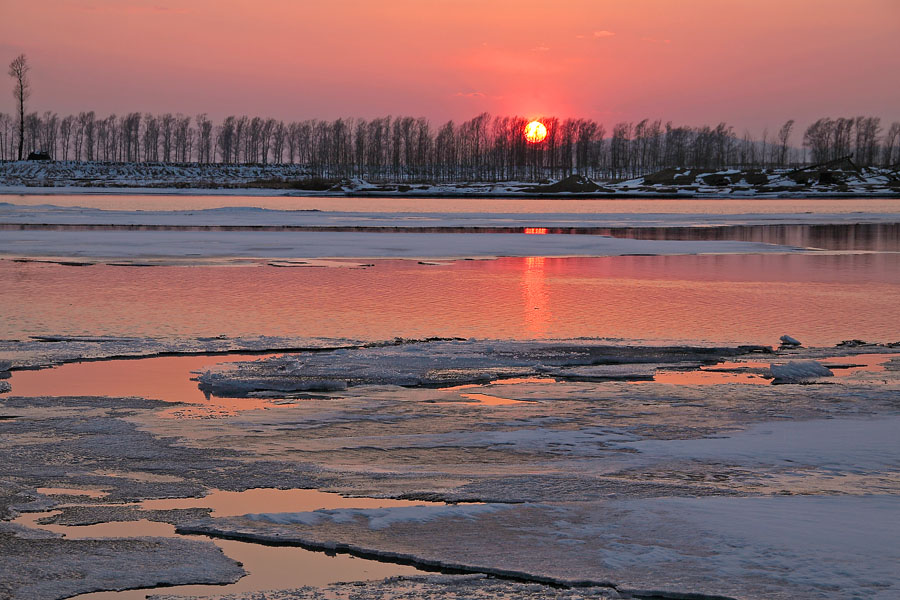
(715, 270)
(237, 394)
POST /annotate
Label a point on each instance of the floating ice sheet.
(444, 363)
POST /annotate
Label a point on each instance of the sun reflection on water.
(537, 313)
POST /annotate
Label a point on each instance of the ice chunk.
(441, 363)
(4, 374)
(797, 371)
(606, 372)
(787, 340)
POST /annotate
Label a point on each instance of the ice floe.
(443, 363)
(799, 371)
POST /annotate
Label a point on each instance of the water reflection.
(272, 500)
(167, 378)
(490, 400)
(535, 298)
(757, 373)
(821, 299)
(268, 567)
(883, 237)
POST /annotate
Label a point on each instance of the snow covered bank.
(279, 179)
(90, 175)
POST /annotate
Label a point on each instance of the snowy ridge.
(106, 174)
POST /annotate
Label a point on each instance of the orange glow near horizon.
(535, 132)
(684, 61)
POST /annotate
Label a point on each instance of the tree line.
(406, 148)
(484, 148)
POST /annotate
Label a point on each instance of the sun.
(535, 132)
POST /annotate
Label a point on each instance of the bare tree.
(279, 134)
(166, 124)
(485, 148)
(784, 136)
(866, 149)
(818, 138)
(205, 151)
(86, 126)
(65, 132)
(18, 70)
(4, 134)
(890, 139)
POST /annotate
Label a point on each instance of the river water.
(846, 286)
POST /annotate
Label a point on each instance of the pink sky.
(752, 63)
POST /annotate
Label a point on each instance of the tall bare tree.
(890, 139)
(784, 137)
(18, 70)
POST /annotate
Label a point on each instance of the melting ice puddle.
(114, 529)
(491, 400)
(717, 374)
(268, 567)
(72, 492)
(270, 500)
(509, 381)
(488, 400)
(742, 372)
(166, 378)
(843, 366)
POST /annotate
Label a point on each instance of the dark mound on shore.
(671, 176)
(572, 184)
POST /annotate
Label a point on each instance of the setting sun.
(535, 132)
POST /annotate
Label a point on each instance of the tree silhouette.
(18, 70)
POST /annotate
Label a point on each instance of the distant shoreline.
(818, 181)
(268, 192)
